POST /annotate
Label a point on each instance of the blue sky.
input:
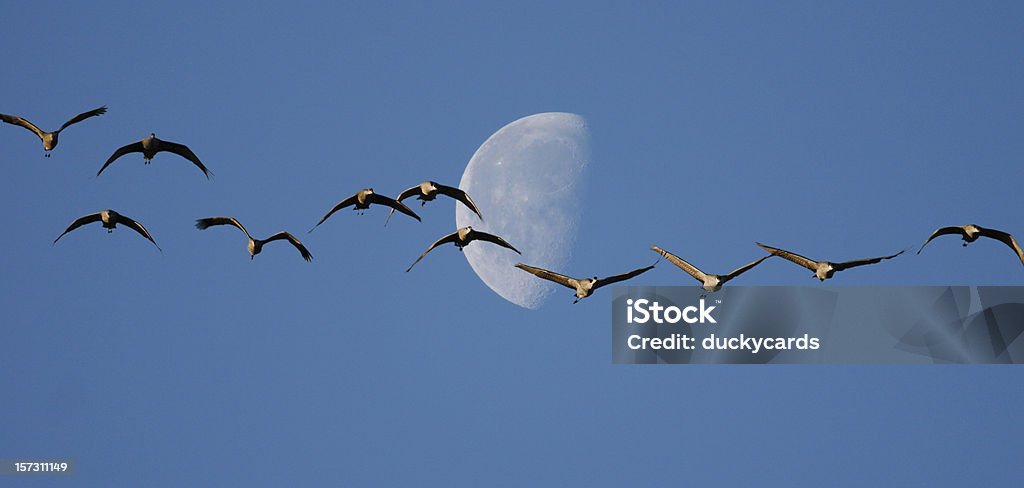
(838, 131)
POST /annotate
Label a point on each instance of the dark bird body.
(429, 190)
(50, 139)
(255, 245)
(584, 286)
(150, 146)
(710, 282)
(110, 219)
(461, 238)
(970, 233)
(823, 270)
(362, 201)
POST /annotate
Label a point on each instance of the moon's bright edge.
(528, 179)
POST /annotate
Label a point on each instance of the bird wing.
(549, 275)
(861, 262)
(78, 223)
(348, 202)
(183, 151)
(454, 236)
(15, 120)
(743, 269)
(203, 224)
(295, 242)
(678, 261)
(1005, 239)
(402, 196)
(137, 227)
(941, 232)
(621, 277)
(84, 115)
(375, 198)
(794, 257)
(411, 192)
(459, 195)
(483, 236)
(130, 148)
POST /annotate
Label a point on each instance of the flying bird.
(428, 190)
(110, 220)
(150, 146)
(50, 138)
(362, 201)
(584, 287)
(970, 233)
(823, 270)
(255, 245)
(461, 238)
(711, 282)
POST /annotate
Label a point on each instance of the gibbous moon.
(528, 181)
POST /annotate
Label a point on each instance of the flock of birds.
(428, 191)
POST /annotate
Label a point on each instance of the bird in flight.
(428, 190)
(150, 146)
(711, 282)
(461, 238)
(823, 270)
(110, 220)
(50, 138)
(970, 233)
(255, 245)
(584, 287)
(362, 201)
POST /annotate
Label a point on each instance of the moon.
(528, 180)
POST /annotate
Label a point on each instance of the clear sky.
(840, 131)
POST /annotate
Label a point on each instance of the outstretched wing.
(203, 224)
(137, 227)
(402, 196)
(941, 232)
(621, 277)
(375, 198)
(411, 192)
(88, 219)
(549, 275)
(295, 242)
(348, 202)
(84, 115)
(130, 148)
(791, 256)
(678, 261)
(460, 196)
(1005, 239)
(15, 120)
(454, 236)
(743, 269)
(483, 236)
(861, 262)
(183, 151)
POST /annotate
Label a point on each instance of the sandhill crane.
(428, 190)
(255, 245)
(110, 220)
(823, 270)
(362, 201)
(711, 282)
(970, 233)
(461, 238)
(50, 138)
(584, 286)
(150, 146)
